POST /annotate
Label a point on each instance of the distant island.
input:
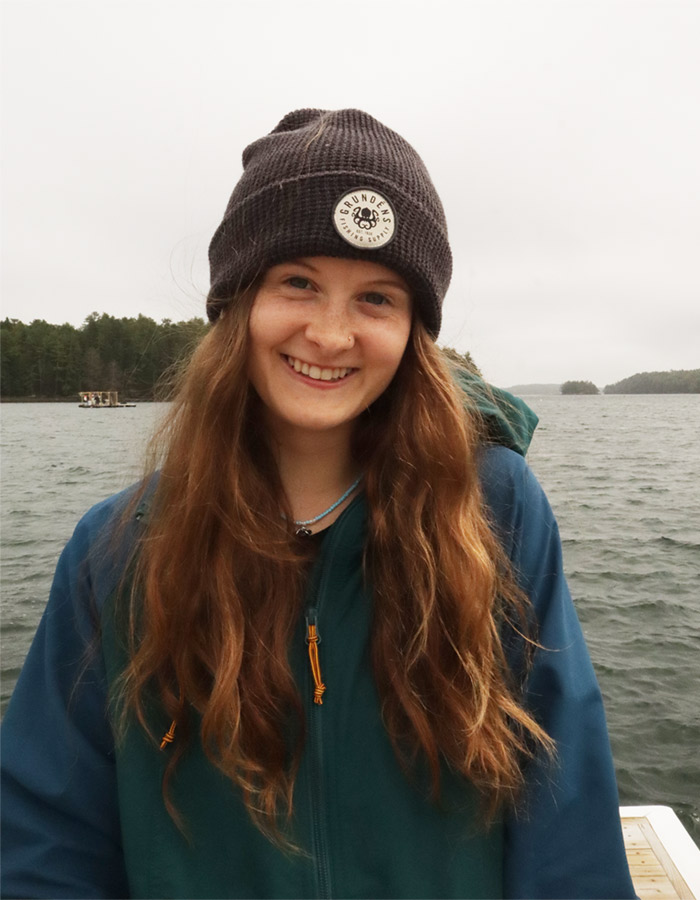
(579, 387)
(681, 381)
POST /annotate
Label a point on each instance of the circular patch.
(364, 218)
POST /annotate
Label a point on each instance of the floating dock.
(101, 400)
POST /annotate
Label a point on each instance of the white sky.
(563, 137)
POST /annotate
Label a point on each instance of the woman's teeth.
(316, 372)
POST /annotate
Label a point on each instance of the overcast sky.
(563, 137)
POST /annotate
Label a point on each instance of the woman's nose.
(330, 331)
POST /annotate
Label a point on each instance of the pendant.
(303, 531)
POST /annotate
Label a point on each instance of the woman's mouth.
(316, 372)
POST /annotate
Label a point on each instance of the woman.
(330, 649)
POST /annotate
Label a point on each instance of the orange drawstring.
(312, 641)
(319, 688)
(169, 736)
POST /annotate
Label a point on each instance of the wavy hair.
(209, 632)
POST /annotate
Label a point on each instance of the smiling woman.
(327, 648)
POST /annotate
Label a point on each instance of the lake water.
(623, 476)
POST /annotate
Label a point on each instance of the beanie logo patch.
(364, 218)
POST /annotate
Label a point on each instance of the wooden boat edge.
(673, 849)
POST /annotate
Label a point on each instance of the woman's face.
(326, 338)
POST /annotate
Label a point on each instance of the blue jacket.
(82, 818)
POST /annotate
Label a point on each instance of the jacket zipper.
(318, 806)
(319, 813)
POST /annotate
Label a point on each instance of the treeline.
(683, 381)
(42, 361)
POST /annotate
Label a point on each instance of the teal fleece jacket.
(83, 818)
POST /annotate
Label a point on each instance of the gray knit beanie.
(333, 183)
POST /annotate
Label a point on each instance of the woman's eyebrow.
(390, 282)
(300, 262)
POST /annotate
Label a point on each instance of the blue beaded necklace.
(301, 524)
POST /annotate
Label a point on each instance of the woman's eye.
(376, 299)
(296, 281)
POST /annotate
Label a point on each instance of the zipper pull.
(312, 639)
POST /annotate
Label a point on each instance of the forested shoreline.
(42, 361)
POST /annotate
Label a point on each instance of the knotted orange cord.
(169, 736)
(312, 641)
(319, 688)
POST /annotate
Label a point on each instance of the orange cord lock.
(312, 641)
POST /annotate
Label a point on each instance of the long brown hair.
(210, 626)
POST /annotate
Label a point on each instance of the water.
(621, 472)
(623, 476)
(57, 461)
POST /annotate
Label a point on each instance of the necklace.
(301, 524)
